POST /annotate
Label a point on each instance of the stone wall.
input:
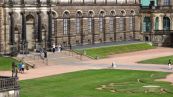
(84, 36)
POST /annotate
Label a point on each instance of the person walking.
(169, 64)
(14, 69)
(59, 48)
(23, 68)
(113, 65)
(53, 48)
(20, 67)
(45, 57)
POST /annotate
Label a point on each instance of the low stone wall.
(9, 87)
(12, 93)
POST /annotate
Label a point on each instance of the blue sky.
(146, 2)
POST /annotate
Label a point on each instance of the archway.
(30, 27)
(166, 23)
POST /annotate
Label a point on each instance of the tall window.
(166, 2)
(157, 23)
(101, 21)
(111, 24)
(111, 21)
(147, 24)
(78, 22)
(131, 23)
(90, 21)
(166, 23)
(65, 22)
(121, 24)
(53, 27)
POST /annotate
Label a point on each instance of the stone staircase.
(35, 60)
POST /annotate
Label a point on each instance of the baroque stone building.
(157, 22)
(30, 24)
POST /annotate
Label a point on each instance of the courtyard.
(82, 76)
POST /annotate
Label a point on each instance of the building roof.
(75, 1)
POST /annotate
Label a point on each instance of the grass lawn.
(5, 63)
(98, 83)
(104, 52)
(160, 60)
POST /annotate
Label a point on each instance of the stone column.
(68, 31)
(23, 27)
(104, 31)
(24, 45)
(11, 31)
(49, 41)
(161, 22)
(92, 31)
(115, 30)
(133, 25)
(81, 30)
(152, 17)
(125, 28)
(39, 28)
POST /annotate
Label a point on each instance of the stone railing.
(8, 83)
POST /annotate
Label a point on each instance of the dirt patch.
(169, 78)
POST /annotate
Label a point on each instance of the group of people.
(21, 67)
(56, 48)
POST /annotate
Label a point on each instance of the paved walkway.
(59, 63)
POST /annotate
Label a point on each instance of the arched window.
(111, 21)
(157, 23)
(66, 16)
(78, 22)
(121, 23)
(101, 21)
(90, 21)
(166, 23)
(166, 2)
(147, 24)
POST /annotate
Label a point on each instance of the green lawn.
(104, 52)
(98, 83)
(5, 63)
(160, 60)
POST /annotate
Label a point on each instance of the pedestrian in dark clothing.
(169, 64)
(22, 68)
(45, 57)
(53, 48)
(45, 54)
(14, 69)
